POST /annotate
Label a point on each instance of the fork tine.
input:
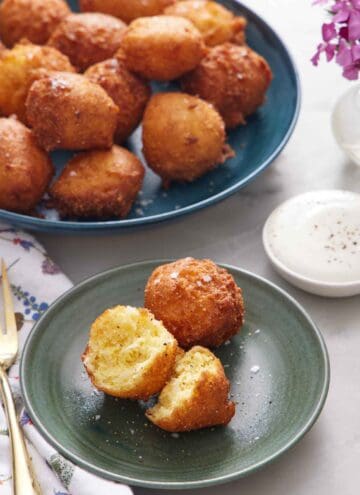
(10, 321)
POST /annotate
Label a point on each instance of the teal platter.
(278, 367)
(256, 145)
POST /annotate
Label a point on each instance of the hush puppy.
(162, 47)
(88, 38)
(67, 111)
(198, 302)
(216, 23)
(19, 68)
(98, 184)
(196, 396)
(127, 10)
(129, 92)
(25, 169)
(130, 354)
(34, 20)
(183, 137)
(233, 78)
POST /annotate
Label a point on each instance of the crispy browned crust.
(127, 10)
(196, 309)
(34, 20)
(98, 184)
(183, 137)
(208, 406)
(233, 78)
(153, 381)
(216, 23)
(162, 47)
(19, 68)
(25, 169)
(129, 92)
(2, 47)
(67, 111)
(88, 38)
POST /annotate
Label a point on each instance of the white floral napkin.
(36, 281)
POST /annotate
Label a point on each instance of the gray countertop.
(326, 461)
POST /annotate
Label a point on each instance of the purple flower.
(49, 267)
(341, 36)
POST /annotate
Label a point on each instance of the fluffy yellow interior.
(124, 343)
(188, 371)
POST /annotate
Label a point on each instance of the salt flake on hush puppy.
(67, 111)
(196, 396)
(130, 354)
(98, 184)
(183, 137)
(25, 169)
(198, 302)
(162, 47)
(127, 10)
(216, 23)
(88, 38)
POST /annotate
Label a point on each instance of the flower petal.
(354, 26)
(328, 31)
(351, 72)
(344, 56)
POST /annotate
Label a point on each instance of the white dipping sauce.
(317, 236)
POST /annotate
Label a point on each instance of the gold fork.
(24, 482)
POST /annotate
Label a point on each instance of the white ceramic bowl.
(313, 242)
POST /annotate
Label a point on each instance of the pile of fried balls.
(81, 82)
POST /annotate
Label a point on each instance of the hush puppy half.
(67, 111)
(98, 184)
(183, 137)
(19, 68)
(198, 302)
(34, 20)
(129, 92)
(233, 78)
(162, 47)
(25, 169)
(130, 354)
(127, 10)
(196, 396)
(88, 38)
(216, 23)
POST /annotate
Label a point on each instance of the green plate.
(278, 367)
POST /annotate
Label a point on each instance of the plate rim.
(177, 485)
(58, 226)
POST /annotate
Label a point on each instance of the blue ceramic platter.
(256, 146)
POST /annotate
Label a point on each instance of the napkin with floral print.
(36, 281)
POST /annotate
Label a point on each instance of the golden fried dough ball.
(216, 23)
(19, 68)
(183, 137)
(88, 38)
(127, 10)
(34, 20)
(233, 78)
(196, 396)
(128, 91)
(98, 184)
(67, 111)
(162, 47)
(198, 302)
(130, 354)
(25, 169)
